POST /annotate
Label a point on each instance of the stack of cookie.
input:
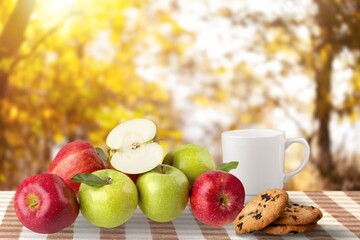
(271, 212)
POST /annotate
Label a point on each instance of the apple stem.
(156, 140)
(108, 180)
(34, 203)
(162, 169)
(223, 201)
(110, 153)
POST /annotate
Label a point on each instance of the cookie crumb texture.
(261, 211)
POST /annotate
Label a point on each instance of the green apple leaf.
(89, 179)
(228, 166)
(101, 154)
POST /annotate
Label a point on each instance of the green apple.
(163, 193)
(191, 159)
(110, 199)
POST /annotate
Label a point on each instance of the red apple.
(216, 198)
(134, 177)
(75, 157)
(45, 204)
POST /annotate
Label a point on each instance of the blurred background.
(74, 69)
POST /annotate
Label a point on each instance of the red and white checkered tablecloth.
(341, 221)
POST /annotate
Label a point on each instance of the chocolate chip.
(312, 207)
(295, 204)
(293, 232)
(265, 197)
(240, 226)
(258, 216)
(251, 213)
(293, 217)
(259, 204)
(264, 206)
(241, 217)
(276, 197)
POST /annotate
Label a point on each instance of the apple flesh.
(75, 157)
(191, 159)
(133, 177)
(133, 148)
(111, 204)
(216, 198)
(45, 204)
(163, 193)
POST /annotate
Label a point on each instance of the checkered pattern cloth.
(341, 221)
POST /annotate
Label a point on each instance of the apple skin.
(191, 159)
(133, 177)
(75, 157)
(163, 193)
(216, 198)
(110, 205)
(45, 204)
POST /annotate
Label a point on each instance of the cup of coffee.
(260, 153)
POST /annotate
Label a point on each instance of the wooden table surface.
(341, 221)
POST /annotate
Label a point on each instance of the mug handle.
(302, 141)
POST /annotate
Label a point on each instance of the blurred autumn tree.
(339, 30)
(194, 67)
(67, 78)
(336, 30)
(245, 56)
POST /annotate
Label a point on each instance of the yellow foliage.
(47, 113)
(353, 117)
(246, 118)
(202, 101)
(2, 178)
(220, 71)
(5, 63)
(13, 113)
(77, 76)
(221, 95)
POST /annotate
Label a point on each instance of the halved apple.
(133, 148)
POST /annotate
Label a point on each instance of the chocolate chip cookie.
(261, 211)
(295, 214)
(287, 229)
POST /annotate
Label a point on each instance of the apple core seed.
(135, 145)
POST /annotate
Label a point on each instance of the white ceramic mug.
(260, 153)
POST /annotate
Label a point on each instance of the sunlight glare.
(59, 5)
(51, 12)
